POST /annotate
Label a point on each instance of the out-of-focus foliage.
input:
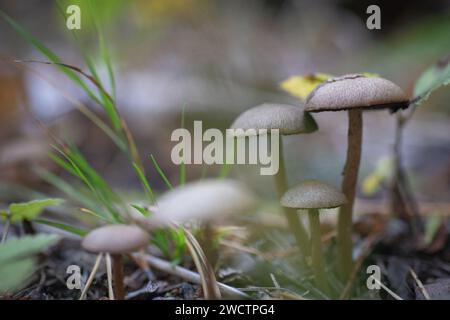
(433, 78)
(30, 210)
(151, 11)
(17, 260)
(94, 13)
(382, 173)
(432, 225)
(302, 86)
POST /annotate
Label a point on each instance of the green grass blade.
(62, 226)
(49, 54)
(144, 182)
(161, 172)
(182, 178)
(224, 171)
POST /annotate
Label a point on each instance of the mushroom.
(313, 195)
(288, 120)
(354, 93)
(114, 241)
(207, 200)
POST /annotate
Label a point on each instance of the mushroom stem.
(291, 214)
(349, 182)
(109, 276)
(316, 252)
(118, 276)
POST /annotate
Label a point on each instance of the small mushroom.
(353, 93)
(207, 201)
(313, 195)
(114, 241)
(288, 120)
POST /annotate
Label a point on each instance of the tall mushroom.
(353, 93)
(114, 241)
(313, 195)
(288, 120)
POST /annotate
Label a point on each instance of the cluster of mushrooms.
(209, 200)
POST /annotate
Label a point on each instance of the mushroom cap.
(115, 239)
(313, 194)
(205, 200)
(286, 118)
(356, 92)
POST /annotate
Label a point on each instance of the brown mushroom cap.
(115, 239)
(286, 118)
(356, 92)
(205, 200)
(313, 194)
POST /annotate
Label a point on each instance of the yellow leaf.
(370, 75)
(371, 184)
(302, 86)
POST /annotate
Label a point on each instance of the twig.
(420, 285)
(191, 276)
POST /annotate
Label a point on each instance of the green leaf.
(30, 210)
(433, 78)
(17, 260)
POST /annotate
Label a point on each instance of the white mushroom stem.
(91, 276)
(291, 214)
(109, 276)
(349, 182)
(318, 265)
(118, 276)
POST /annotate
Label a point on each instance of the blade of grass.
(106, 100)
(96, 215)
(224, 171)
(160, 172)
(182, 178)
(80, 107)
(66, 188)
(209, 282)
(144, 183)
(49, 54)
(62, 226)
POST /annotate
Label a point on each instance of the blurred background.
(215, 59)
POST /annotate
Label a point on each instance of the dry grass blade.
(208, 278)
(420, 285)
(190, 276)
(369, 243)
(91, 276)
